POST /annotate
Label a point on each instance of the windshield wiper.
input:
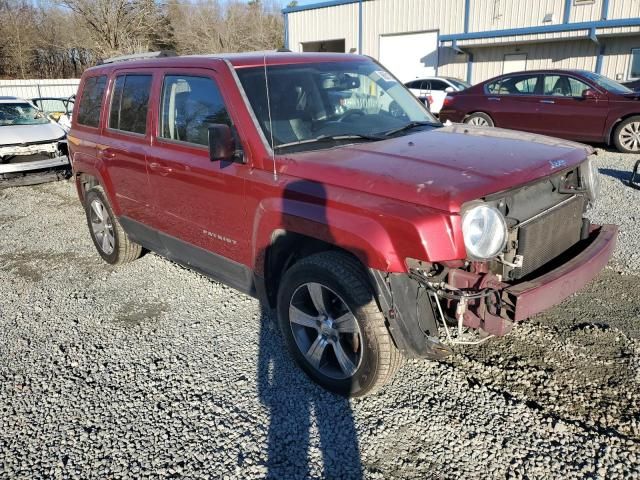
(341, 136)
(410, 126)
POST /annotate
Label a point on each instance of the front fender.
(362, 236)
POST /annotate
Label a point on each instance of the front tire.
(108, 236)
(626, 137)
(333, 327)
(479, 119)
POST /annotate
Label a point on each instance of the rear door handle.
(161, 169)
(493, 99)
(547, 101)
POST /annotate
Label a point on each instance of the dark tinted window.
(189, 106)
(415, 84)
(438, 85)
(129, 103)
(91, 101)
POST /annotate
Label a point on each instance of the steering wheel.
(350, 113)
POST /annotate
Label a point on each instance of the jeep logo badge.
(557, 163)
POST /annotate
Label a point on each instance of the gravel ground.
(151, 370)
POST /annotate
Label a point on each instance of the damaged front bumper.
(34, 157)
(495, 314)
(416, 306)
(22, 167)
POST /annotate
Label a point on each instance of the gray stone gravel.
(153, 371)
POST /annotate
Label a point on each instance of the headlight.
(484, 230)
(590, 179)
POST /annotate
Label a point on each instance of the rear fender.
(88, 165)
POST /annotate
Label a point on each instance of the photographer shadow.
(298, 408)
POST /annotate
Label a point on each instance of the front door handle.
(161, 169)
(494, 99)
(106, 153)
(547, 101)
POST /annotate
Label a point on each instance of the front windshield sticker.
(386, 76)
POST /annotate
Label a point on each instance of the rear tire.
(479, 119)
(108, 236)
(333, 327)
(626, 136)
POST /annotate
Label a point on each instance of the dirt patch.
(32, 265)
(139, 312)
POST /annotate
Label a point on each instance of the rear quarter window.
(91, 101)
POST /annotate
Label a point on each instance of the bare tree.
(210, 27)
(18, 32)
(61, 38)
(121, 26)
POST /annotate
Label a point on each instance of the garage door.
(410, 55)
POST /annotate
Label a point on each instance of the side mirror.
(449, 89)
(589, 94)
(222, 145)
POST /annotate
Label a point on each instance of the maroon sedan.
(572, 104)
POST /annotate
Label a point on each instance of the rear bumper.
(21, 167)
(514, 303)
(451, 115)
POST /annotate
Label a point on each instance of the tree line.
(61, 38)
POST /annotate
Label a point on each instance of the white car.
(433, 90)
(33, 148)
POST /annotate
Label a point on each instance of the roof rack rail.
(140, 56)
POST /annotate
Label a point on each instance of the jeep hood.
(441, 168)
(27, 134)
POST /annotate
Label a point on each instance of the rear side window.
(438, 85)
(520, 85)
(91, 102)
(130, 103)
(189, 106)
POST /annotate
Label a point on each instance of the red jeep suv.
(318, 184)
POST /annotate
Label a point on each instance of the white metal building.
(474, 39)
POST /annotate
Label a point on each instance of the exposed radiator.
(548, 235)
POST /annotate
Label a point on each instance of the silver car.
(33, 148)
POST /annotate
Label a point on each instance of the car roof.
(50, 98)
(428, 78)
(539, 72)
(8, 99)
(237, 60)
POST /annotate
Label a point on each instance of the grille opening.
(548, 236)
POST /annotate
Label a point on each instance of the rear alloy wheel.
(479, 119)
(108, 236)
(627, 135)
(333, 326)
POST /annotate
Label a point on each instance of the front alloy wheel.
(325, 331)
(333, 326)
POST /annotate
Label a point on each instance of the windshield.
(311, 103)
(459, 83)
(21, 114)
(606, 82)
